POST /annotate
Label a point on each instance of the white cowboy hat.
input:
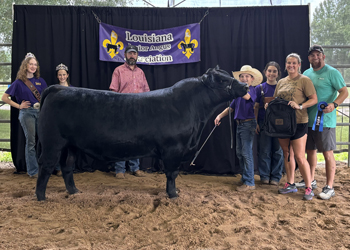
(251, 71)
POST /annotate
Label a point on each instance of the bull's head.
(217, 78)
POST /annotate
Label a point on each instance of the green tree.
(331, 26)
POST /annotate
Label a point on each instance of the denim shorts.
(322, 141)
(301, 131)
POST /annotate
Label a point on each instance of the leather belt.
(242, 121)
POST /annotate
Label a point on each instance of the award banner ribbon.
(318, 124)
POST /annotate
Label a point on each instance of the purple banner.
(156, 47)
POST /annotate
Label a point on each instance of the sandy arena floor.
(135, 213)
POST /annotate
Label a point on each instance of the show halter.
(197, 153)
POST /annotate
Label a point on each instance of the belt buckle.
(36, 105)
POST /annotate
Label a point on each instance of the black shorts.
(302, 129)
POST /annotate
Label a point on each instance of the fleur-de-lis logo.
(188, 45)
(113, 46)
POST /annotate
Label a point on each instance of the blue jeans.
(270, 155)
(133, 164)
(29, 120)
(244, 150)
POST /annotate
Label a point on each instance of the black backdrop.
(230, 37)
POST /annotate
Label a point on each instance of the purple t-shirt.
(244, 109)
(269, 90)
(21, 91)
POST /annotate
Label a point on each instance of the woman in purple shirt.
(28, 106)
(246, 125)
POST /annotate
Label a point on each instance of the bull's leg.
(46, 167)
(67, 162)
(43, 177)
(170, 182)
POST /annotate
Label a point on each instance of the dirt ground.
(135, 213)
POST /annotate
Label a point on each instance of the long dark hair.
(272, 63)
(58, 81)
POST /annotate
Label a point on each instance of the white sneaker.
(326, 193)
(301, 184)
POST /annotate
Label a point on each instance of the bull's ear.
(208, 70)
(217, 67)
(209, 80)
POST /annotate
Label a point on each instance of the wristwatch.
(335, 105)
(301, 106)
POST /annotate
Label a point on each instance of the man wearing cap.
(246, 124)
(328, 83)
(128, 78)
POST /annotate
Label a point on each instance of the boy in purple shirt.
(246, 124)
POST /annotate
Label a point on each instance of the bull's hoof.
(173, 196)
(40, 197)
(73, 191)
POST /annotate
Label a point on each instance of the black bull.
(165, 123)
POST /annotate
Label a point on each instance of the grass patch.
(5, 156)
(342, 132)
(4, 128)
(338, 157)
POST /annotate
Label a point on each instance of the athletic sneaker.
(301, 184)
(288, 188)
(326, 193)
(308, 194)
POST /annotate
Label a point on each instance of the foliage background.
(331, 26)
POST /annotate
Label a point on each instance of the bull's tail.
(49, 90)
(52, 89)
(38, 152)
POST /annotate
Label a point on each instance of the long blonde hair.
(22, 72)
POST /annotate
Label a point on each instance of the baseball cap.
(131, 48)
(316, 47)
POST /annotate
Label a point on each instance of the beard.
(131, 61)
(316, 65)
